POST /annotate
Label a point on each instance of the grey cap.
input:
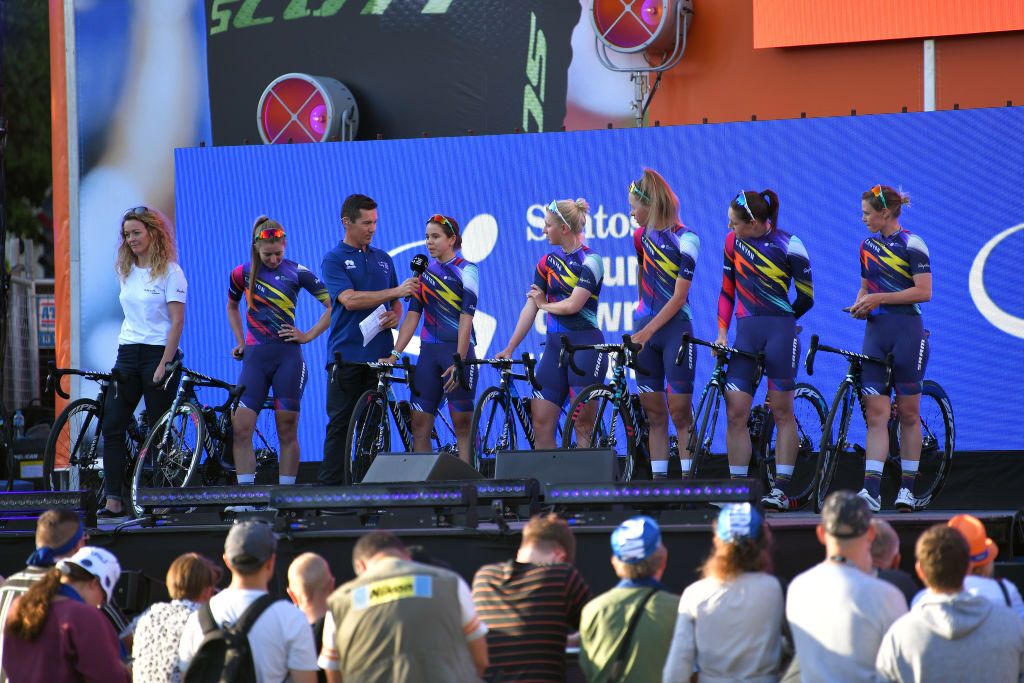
(845, 515)
(250, 543)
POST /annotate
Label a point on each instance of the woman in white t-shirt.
(152, 296)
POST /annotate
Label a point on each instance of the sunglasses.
(741, 200)
(879, 195)
(553, 208)
(269, 234)
(635, 189)
(134, 211)
(442, 220)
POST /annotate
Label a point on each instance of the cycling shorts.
(277, 366)
(773, 335)
(658, 358)
(904, 337)
(434, 360)
(557, 383)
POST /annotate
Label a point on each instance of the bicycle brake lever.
(529, 364)
(684, 348)
(460, 368)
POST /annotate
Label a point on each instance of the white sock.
(738, 471)
(910, 465)
(285, 480)
(875, 465)
(659, 466)
(246, 479)
(685, 466)
(785, 470)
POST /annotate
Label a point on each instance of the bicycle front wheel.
(810, 411)
(703, 433)
(171, 453)
(493, 430)
(75, 441)
(938, 440)
(369, 433)
(611, 428)
(833, 441)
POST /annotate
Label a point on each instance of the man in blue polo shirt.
(359, 278)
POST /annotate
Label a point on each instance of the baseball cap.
(250, 543)
(99, 562)
(739, 521)
(845, 515)
(983, 548)
(636, 539)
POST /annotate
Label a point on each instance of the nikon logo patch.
(389, 590)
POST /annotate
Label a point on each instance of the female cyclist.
(760, 262)
(446, 300)
(895, 276)
(667, 256)
(565, 286)
(270, 352)
(152, 296)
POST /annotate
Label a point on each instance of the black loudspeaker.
(388, 468)
(558, 467)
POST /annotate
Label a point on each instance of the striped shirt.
(529, 610)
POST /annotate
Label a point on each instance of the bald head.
(310, 576)
(885, 548)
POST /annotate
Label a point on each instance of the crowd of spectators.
(405, 617)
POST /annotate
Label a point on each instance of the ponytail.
(653, 191)
(574, 213)
(262, 223)
(28, 614)
(763, 206)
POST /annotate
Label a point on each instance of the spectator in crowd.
(191, 581)
(400, 621)
(837, 610)
(309, 583)
(951, 635)
(59, 535)
(279, 640)
(730, 622)
(886, 558)
(981, 579)
(532, 603)
(54, 632)
(625, 633)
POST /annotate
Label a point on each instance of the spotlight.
(455, 494)
(200, 497)
(508, 499)
(647, 492)
(298, 107)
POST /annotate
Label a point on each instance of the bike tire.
(810, 411)
(828, 457)
(172, 463)
(938, 442)
(74, 431)
(703, 432)
(492, 431)
(612, 428)
(369, 433)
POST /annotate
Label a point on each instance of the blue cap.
(737, 521)
(636, 539)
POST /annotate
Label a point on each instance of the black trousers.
(137, 363)
(341, 401)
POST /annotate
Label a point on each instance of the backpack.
(224, 656)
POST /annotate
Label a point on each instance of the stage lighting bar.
(461, 494)
(647, 492)
(489, 489)
(44, 500)
(210, 496)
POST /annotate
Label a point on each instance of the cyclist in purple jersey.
(446, 301)
(667, 256)
(270, 351)
(565, 286)
(760, 263)
(896, 276)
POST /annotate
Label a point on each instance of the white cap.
(100, 563)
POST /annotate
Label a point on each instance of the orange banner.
(789, 23)
(61, 201)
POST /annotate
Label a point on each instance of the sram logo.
(536, 78)
(225, 14)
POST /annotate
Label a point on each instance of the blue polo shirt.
(346, 267)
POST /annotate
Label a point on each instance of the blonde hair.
(663, 203)
(262, 223)
(574, 213)
(162, 249)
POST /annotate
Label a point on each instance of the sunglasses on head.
(269, 234)
(879, 195)
(634, 188)
(553, 208)
(442, 220)
(741, 200)
(134, 211)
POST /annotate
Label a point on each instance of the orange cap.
(983, 549)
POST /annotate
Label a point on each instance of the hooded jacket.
(958, 637)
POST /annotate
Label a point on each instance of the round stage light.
(299, 107)
(636, 25)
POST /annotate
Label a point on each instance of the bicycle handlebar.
(627, 351)
(54, 375)
(505, 364)
(381, 369)
(851, 356)
(687, 340)
(198, 379)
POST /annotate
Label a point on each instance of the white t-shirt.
(988, 588)
(838, 615)
(471, 625)
(144, 301)
(280, 640)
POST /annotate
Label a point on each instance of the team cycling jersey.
(447, 290)
(273, 301)
(558, 274)
(889, 264)
(665, 256)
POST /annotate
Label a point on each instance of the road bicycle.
(938, 430)
(809, 410)
(377, 411)
(619, 422)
